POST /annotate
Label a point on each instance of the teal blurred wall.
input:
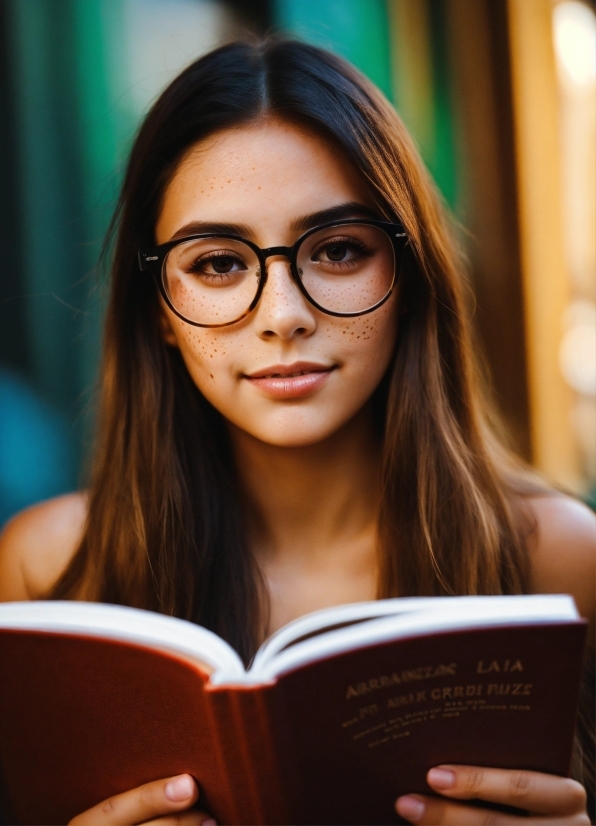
(388, 40)
(76, 77)
(356, 29)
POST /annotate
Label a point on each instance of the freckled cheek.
(368, 341)
(205, 354)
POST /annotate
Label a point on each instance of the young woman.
(289, 415)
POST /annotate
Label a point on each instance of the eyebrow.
(351, 209)
(340, 212)
(210, 228)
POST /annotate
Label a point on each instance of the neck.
(306, 500)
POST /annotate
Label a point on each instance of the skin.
(309, 465)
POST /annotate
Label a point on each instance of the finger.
(161, 797)
(187, 818)
(429, 811)
(538, 793)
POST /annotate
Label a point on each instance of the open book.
(339, 713)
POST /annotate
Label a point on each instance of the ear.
(165, 326)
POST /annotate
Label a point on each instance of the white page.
(132, 625)
(354, 612)
(446, 614)
(399, 618)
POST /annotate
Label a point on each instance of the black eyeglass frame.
(152, 261)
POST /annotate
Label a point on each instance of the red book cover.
(334, 737)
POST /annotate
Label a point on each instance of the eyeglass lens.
(344, 269)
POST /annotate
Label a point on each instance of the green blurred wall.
(63, 133)
(356, 29)
(401, 45)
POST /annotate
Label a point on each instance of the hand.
(546, 798)
(162, 802)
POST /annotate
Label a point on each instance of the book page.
(329, 619)
(338, 616)
(132, 625)
(413, 616)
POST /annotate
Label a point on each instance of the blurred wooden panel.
(546, 287)
(478, 41)
(412, 69)
(421, 85)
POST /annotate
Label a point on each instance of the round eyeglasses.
(346, 268)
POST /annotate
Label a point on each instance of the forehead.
(261, 175)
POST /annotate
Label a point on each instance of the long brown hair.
(165, 529)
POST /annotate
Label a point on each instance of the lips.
(290, 381)
(298, 368)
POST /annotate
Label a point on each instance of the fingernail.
(209, 823)
(179, 788)
(441, 778)
(410, 807)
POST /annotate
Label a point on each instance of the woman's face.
(270, 180)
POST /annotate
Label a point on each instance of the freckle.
(258, 187)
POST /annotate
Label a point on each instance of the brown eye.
(223, 263)
(336, 252)
(215, 263)
(346, 251)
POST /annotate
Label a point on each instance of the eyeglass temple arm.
(146, 261)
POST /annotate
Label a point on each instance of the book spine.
(250, 743)
(234, 805)
(259, 725)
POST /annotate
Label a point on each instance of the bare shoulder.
(37, 544)
(563, 550)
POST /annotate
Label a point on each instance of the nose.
(282, 310)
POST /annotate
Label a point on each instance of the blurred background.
(500, 96)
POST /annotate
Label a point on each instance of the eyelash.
(349, 242)
(199, 263)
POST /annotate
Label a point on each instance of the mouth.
(284, 371)
(291, 381)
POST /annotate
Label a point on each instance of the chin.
(293, 434)
(292, 440)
